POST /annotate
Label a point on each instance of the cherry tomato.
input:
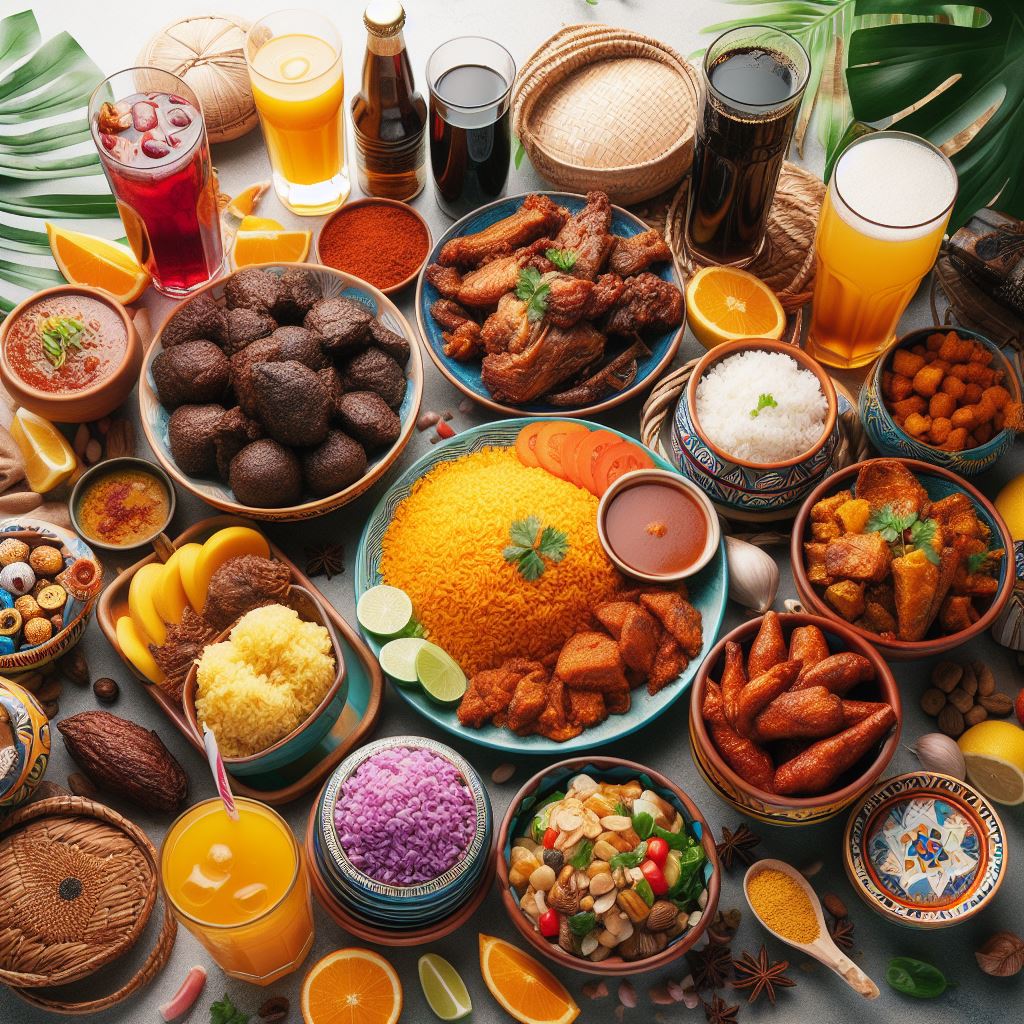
(657, 850)
(548, 924)
(655, 877)
(550, 836)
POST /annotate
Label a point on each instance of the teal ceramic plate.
(708, 591)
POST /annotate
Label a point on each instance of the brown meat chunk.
(591, 661)
(587, 708)
(631, 255)
(668, 664)
(647, 303)
(858, 556)
(529, 699)
(536, 217)
(679, 617)
(242, 584)
(883, 482)
(184, 643)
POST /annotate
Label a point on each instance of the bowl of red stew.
(657, 526)
(70, 354)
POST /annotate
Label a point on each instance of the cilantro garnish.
(60, 333)
(564, 259)
(893, 528)
(531, 545)
(531, 289)
(225, 1012)
(978, 562)
(763, 402)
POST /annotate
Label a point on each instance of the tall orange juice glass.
(885, 212)
(298, 83)
(240, 887)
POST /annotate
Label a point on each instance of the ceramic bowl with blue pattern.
(890, 439)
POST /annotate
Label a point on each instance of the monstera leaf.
(960, 85)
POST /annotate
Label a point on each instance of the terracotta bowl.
(770, 807)
(752, 486)
(78, 406)
(939, 483)
(393, 289)
(553, 778)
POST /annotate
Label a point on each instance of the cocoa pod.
(121, 756)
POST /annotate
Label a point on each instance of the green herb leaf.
(621, 809)
(553, 544)
(643, 887)
(643, 824)
(520, 152)
(523, 532)
(675, 840)
(564, 259)
(582, 923)
(582, 857)
(531, 289)
(763, 402)
(922, 537)
(629, 859)
(978, 562)
(890, 525)
(915, 978)
(225, 1012)
(532, 545)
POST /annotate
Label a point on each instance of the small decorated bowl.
(925, 850)
(735, 484)
(890, 439)
(24, 744)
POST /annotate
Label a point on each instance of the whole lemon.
(1010, 504)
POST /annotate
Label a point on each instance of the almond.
(662, 916)
(998, 704)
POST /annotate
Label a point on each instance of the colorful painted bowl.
(750, 486)
(890, 439)
(333, 283)
(939, 483)
(615, 770)
(301, 741)
(925, 850)
(787, 810)
(24, 744)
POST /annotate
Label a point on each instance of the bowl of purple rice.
(402, 833)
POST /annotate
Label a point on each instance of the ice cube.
(154, 148)
(199, 888)
(251, 898)
(221, 855)
(143, 116)
(179, 118)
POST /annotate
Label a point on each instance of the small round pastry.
(10, 622)
(38, 631)
(18, 578)
(13, 550)
(29, 607)
(46, 560)
(52, 597)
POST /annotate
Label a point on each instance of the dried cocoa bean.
(975, 715)
(946, 675)
(834, 905)
(932, 701)
(997, 704)
(951, 721)
(961, 700)
(51, 690)
(273, 1010)
(51, 709)
(75, 667)
(986, 681)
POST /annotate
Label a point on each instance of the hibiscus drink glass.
(149, 130)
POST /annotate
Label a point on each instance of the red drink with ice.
(154, 150)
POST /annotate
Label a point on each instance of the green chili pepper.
(643, 825)
(643, 887)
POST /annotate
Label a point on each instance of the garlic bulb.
(940, 753)
(753, 575)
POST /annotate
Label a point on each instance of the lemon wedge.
(994, 754)
(49, 460)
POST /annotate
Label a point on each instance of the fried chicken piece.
(669, 662)
(956, 514)
(636, 630)
(591, 661)
(184, 643)
(632, 255)
(679, 617)
(606, 292)
(916, 581)
(612, 615)
(858, 556)
(553, 723)
(618, 702)
(616, 375)
(568, 298)
(508, 328)
(587, 708)
(646, 302)
(491, 691)
(483, 287)
(461, 333)
(883, 482)
(529, 700)
(587, 234)
(536, 217)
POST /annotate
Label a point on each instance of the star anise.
(720, 1012)
(841, 930)
(759, 974)
(737, 844)
(711, 966)
(325, 560)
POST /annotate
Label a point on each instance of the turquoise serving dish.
(466, 376)
(890, 439)
(708, 592)
(298, 743)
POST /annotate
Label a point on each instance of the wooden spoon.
(822, 948)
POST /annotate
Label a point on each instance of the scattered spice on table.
(325, 560)
(711, 966)
(841, 931)
(783, 905)
(761, 975)
(737, 844)
(718, 1011)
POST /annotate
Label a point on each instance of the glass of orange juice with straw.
(240, 887)
(298, 83)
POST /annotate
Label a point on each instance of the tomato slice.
(618, 460)
(570, 448)
(589, 449)
(526, 444)
(550, 442)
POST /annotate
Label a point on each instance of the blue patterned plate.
(466, 376)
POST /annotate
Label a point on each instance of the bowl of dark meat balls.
(282, 391)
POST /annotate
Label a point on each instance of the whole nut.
(75, 667)
(275, 1008)
(834, 905)
(82, 785)
(932, 701)
(662, 916)
(997, 704)
(51, 690)
(31, 681)
(961, 700)
(951, 721)
(93, 451)
(986, 681)
(946, 675)
(975, 715)
(106, 690)
(51, 709)
(634, 905)
(969, 683)
(602, 883)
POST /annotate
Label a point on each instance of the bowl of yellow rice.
(439, 534)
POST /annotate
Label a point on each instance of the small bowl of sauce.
(122, 503)
(657, 526)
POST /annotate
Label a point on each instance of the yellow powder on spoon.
(781, 902)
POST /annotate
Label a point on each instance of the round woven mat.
(786, 263)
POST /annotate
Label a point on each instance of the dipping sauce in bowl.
(657, 526)
(121, 504)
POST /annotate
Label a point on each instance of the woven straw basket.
(608, 109)
(78, 883)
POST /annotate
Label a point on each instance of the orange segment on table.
(526, 989)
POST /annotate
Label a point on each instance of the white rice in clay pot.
(761, 407)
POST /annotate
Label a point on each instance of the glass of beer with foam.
(880, 229)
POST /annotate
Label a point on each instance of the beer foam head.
(891, 187)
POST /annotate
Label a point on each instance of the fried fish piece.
(916, 582)
(882, 482)
(636, 630)
(678, 616)
(529, 699)
(858, 556)
(491, 690)
(591, 661)
(553, 722)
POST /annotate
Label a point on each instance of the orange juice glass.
(298, 83)
(241, 887)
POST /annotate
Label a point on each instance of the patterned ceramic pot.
(748, 486)
(890, 439)
(24, 744)
(925, 850)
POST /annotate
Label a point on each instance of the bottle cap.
(384, 17)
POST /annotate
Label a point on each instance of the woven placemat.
(786, 263)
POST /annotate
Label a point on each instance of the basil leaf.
(630, 859)
(643, 824)
(915, 978)
(582, 923)
(583, 855)
(643, 887)
(621, 810)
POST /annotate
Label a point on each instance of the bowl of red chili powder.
(382, 241)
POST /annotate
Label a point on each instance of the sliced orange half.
(726, 304)
(247, 200)
(270, 246)
(87, 259)
(525, 989)
(352, 986)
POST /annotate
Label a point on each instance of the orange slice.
(49, 459)
(86, 259)
(246, 201)
(725, 304)
(352, 986)
(525, 989)
(271, 245)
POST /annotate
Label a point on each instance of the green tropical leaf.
(22, 240)
(959, 84)
(70, 206)
(19, 36)
(41, 141)
(32, 167)
(29, 277)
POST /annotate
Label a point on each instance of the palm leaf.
(23, 240)
(30, 277)
(19, 36)
(72, 207)
(41, 140)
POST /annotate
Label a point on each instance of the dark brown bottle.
(389, 116)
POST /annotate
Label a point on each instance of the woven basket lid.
(77, 885)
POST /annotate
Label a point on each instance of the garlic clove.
(939, 753)
(753, 575)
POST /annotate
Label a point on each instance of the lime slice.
(398, 659)
(384, 610)
(445, 991)
(439, 674)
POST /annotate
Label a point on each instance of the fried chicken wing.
(591, 661)
(679, 617)
(482, 288)
(461, 333)
(632, 255)
(529, 699)
(536, 217)
(646, 302)
(587, 234)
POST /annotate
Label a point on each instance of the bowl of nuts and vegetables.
(607, 867)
